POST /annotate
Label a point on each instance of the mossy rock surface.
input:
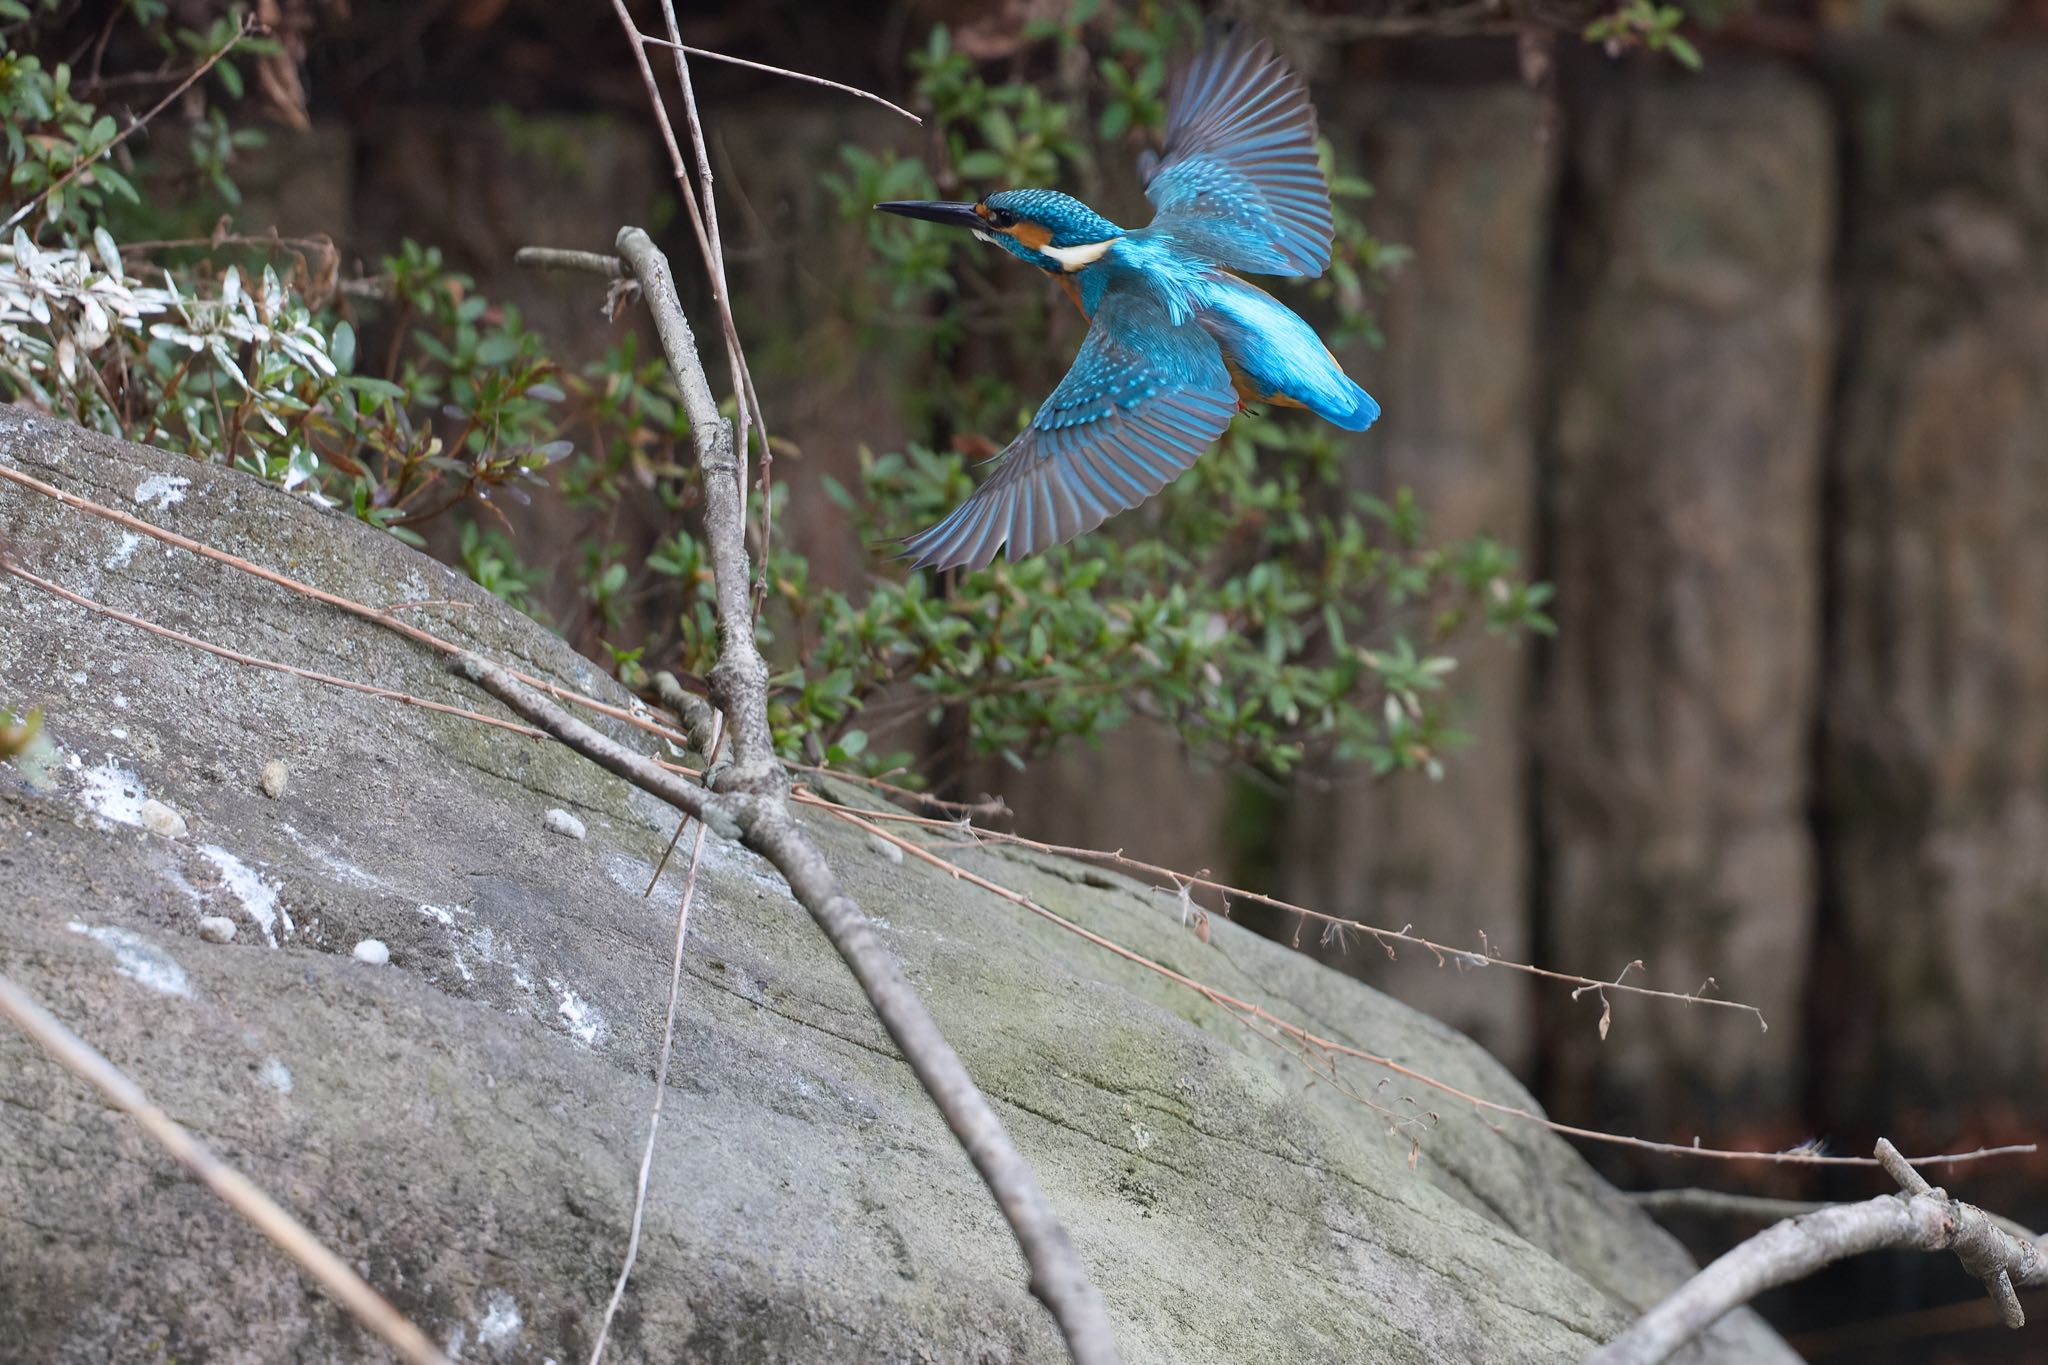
(464, 1123)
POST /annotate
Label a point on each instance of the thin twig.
(1444, 951)
(808, 79)
(668, 1038)
(1921, 1218)
(1700, 1203)
(554, 258)
(241, 1194)
(249, 28)
(703, 214)
(256, 661)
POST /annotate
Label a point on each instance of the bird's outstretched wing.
(1238, 172)
(1143, 400)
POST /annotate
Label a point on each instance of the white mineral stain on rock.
(161, 490)
(158, 818)
(275, 1075)
(112, 792)
(216, 929)
(373, 951)
(125, 551)
(563, 823)
(273, 778)
(120, 702)
(136, 958)
(500, 1325)
(582, 1018)
(257, 897)
(340, 867)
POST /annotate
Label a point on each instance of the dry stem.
(668, 1039)
(237, 1190)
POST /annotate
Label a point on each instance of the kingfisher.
(1179, 342)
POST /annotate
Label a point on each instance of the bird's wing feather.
(1144, 398)
(1238, 171)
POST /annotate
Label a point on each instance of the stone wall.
(1681, 514)
(1934, 759)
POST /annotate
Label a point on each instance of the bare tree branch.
(1700, 1203)
(751, 803)
(781, 71)
(1921, 1218)
(240, 1193)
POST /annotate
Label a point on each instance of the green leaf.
(341, 347)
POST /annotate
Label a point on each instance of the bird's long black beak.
(935, 211)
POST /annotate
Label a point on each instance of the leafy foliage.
(1648, 25)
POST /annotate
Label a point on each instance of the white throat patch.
(1072, 258)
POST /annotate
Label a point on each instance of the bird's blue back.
(1178, 342)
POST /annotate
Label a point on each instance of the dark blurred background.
(1750, 362)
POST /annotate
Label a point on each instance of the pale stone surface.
(806, 1200)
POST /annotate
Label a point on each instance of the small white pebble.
(885, 848)
(158, 818)
(275, 775)
(216, 928)
(373, 951)
(563, 823)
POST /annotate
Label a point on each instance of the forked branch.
(1921, 1217)
(751, 803)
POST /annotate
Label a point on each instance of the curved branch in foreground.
(751, 802)
(1920, 1218)
(240, 1193)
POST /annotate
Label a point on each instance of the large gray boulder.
(464, 1122)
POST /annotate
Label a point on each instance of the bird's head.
(1052, 231)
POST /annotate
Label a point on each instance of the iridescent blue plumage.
(1178, 344)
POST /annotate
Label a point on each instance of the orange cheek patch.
(1034, 235)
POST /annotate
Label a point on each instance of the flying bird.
(1178, 341)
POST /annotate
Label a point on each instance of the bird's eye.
(1002, 218)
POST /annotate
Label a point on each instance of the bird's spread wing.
(1143, 400)
(1239, 168)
